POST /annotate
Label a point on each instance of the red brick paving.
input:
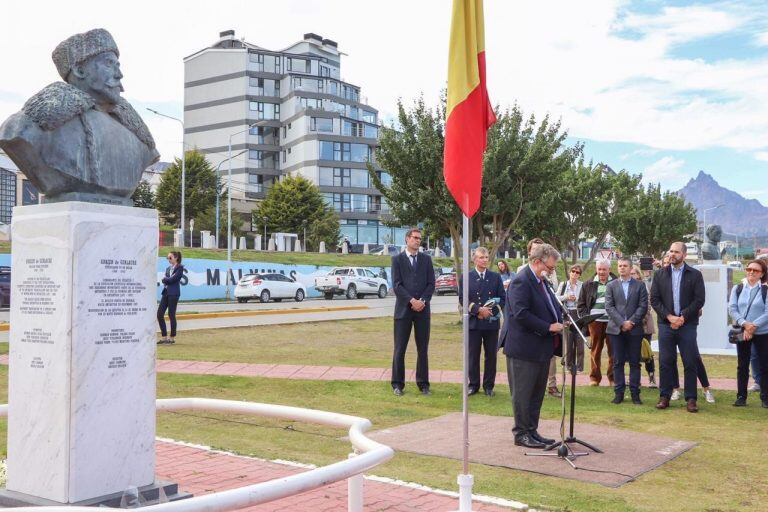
(345, 372)
(201, 471)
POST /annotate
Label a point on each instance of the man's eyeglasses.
(752, 269)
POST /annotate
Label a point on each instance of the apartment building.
(287, 112)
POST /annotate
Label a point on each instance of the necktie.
(482, 276)
(413, 261)
(555, 337)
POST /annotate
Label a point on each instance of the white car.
(266, 287)
(354, 282)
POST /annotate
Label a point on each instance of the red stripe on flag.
(465, 140)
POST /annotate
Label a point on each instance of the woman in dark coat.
(170, 297)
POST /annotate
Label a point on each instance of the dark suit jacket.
(171, 281)
(412, 282)
(528, 317)
(619, 309)
(691, 294)
(479, 293)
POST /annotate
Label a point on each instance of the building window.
(265, 110)
(369, 117)
(298, 65)
(341, 177)
(29, 193)
(359, 203)
(325, 70)
(342, 202)
(370, 131)
(326, 150)
(352, 129)
(321, 124)
(7, 195)
(359, 178)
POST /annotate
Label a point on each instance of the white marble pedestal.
(81, 420)
(712, 334)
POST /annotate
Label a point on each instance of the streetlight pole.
(704, 227)
(266, 219)
(183, 167)
(229, 205)
(218, 193)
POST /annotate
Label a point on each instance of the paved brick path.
(291, 371)
(297, 371)
(201, 471)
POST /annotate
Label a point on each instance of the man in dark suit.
(626, 303)
(677, 296)
(413, 280)
(484, 321)
(533, 335)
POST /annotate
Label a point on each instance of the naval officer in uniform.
(486, 300)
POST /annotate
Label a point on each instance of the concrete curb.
(260, 312)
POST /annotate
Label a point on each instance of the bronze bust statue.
(79, 140)
(709, 249)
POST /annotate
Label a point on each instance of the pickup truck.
(353, 282)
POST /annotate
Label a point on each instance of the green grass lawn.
(365, 343)
(724, 472)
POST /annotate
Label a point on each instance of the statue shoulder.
(129, 118)
(55, 105)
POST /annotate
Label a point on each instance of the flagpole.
(465, 480)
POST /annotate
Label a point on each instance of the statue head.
(90, 62)
(714, 233)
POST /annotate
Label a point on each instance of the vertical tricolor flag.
(469, 113)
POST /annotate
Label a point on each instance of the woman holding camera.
(749, 310)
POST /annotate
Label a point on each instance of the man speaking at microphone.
(533, 335)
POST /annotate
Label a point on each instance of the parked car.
(5, 287)
(266, 287)
(354, 282)
(446, 283)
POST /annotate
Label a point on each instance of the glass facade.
(372, 232)
(265, 110)
(344, 151)
(7, 195)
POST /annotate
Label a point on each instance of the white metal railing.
(368, 454)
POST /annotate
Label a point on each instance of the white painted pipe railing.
(368, 454)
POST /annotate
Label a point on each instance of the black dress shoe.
(471, 391)
(765, 404)
(541, 439)
(740, 402)
(398, 391)
(636, 400)
(490, 392)
(528, 441)
(617, 399)
(425, 391)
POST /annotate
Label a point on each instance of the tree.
(200, 188)
(412, 154)
(652, 220)
(143, 197)
(294, 203)
(522, 161)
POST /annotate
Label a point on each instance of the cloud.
(761, 155)
(668, 171)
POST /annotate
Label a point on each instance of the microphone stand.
(564, 449)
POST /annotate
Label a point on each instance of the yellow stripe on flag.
(467, 41)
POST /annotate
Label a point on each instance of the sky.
(663, 88)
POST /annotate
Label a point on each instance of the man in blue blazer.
(484, 321)
(413, 279)
(533, 335)
(626, 303)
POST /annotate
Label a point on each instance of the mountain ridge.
(739, 215)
